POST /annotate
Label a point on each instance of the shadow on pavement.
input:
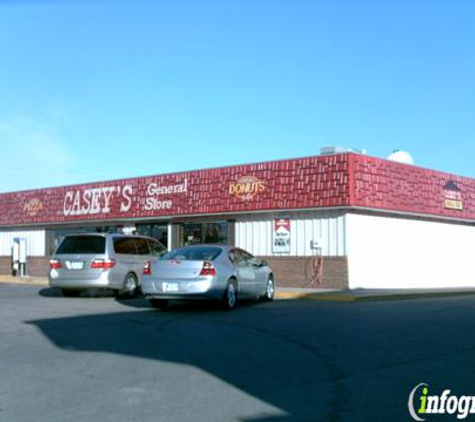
(198, 306)
(50, 292)
(272, 368)
(311, 360)
(53, 292)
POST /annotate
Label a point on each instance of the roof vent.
(401, 157)
(331, 150)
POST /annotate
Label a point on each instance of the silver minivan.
(103, 260)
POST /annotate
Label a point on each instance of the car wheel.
(159, 303)
(130, 286)
(270, 290)
(70, 292)
(230, 296)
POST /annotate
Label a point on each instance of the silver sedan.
(207, 272)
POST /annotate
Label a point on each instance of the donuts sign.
(247, 187)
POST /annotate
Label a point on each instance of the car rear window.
(82, 245)
(142, 246)
(194, 254)
(125, 245)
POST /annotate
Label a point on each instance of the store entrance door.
(206, 233)
(158, 231)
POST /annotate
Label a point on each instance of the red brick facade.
(343, 180)
(386, 185)
(291, 184)
(300, 272)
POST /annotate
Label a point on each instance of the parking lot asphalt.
(86, 359)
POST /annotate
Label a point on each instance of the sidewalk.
(283, 293)
(366, 295)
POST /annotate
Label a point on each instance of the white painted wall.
(387, 252)
(254, 233)
(35, 241)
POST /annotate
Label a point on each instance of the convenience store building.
(338, 221)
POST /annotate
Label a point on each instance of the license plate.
(170, 287)
(76, 265)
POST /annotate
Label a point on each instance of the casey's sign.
(96, 200)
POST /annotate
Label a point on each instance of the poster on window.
(281, 236)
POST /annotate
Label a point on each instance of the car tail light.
(208, 269)
(54, 264)
(147, 269)
(103, 263)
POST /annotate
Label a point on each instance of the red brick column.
(300, 272)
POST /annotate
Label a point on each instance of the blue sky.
(95, 90)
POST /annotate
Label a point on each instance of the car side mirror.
(259, 263)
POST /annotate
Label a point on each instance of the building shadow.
(274, 369)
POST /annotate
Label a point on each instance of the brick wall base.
(5, 265)
(37, 266)
(300, 272)
(288, 271)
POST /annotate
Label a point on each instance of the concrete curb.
(348, 296)
(311, 296)
(29, 281)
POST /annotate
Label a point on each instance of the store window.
(205, 233)
(157, 231)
